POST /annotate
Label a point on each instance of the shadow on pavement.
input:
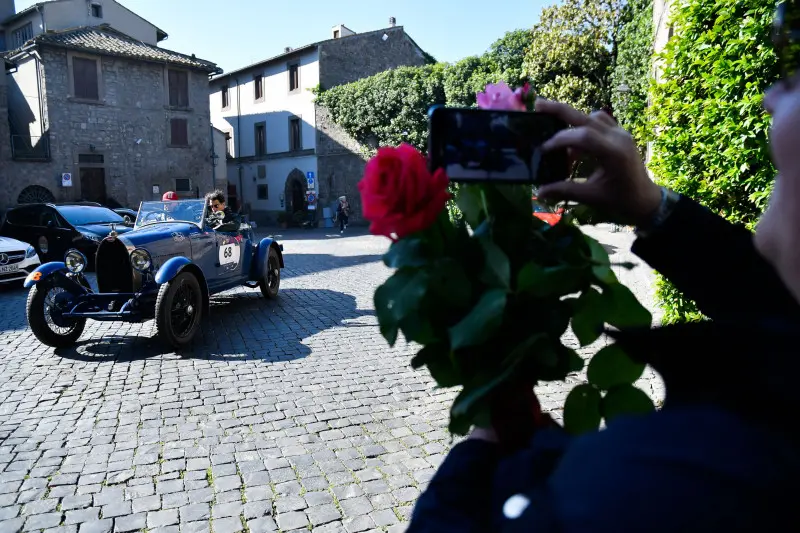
(304, 264)
(241, 326)
(296, 234)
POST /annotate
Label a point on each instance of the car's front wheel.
(179, 309)
(270, 284)
(46, 304)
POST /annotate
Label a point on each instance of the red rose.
(399, 196)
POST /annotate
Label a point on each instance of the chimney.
(287, 49)
(392, 22)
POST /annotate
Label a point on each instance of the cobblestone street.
(290, 415)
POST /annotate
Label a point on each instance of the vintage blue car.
(166, 268)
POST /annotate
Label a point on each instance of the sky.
(236, 33)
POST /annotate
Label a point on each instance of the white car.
(17, 260)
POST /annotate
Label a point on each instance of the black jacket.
(226, 220)
(720, 456)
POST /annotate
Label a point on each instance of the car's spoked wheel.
(179, 308)
(271, 283)
(46, 304)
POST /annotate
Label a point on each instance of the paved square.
(290, 415)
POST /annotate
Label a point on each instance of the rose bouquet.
(488, 297)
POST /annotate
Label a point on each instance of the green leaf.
(623, 309)
(399, 296)
(602, 268)
(442, 367)
(471, 205)
(625, 400)
(450, 284)
(541, 281)
(481, 323)
(417, 327)
(589, 317)
(582, 410)
(611, 366)
(405, 253)
(497, 269)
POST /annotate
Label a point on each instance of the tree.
(506, 56)
(712, 141)
(630, 78)
(573, 48)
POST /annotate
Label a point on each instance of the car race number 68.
(229, 254)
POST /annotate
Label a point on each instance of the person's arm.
(459, 496)
(714, 263)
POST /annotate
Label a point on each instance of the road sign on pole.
(311, 197)
(312, 183)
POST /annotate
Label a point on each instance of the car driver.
(222, 217)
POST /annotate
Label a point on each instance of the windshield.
(81, 215)
(192, 211)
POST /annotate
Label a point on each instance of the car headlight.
(30, 252)
(140, 260)
(75, 261)
(91, 237)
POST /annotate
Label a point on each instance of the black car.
(52, 229)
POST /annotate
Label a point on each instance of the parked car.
(17, 260)
(52, 229)
(166, 268)
(546, 213)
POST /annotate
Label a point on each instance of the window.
(226, 97)
(178, 88)
(294, 77)
(179, 132)
(295, 138)
(229, 143)
(97, 11)
(22, 35)
(335, 34)
(91, 159)
(85, 79)
(258, 87)
(260, 138)
(263, 192)
(183, 185)
(262, 172)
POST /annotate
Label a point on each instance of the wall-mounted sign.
(156, 189)
(312, 183)
(311, 198)
(66, 179)
(312, 207)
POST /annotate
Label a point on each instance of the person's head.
(169, 197)
(216, 201)
(778, 232)
(342, 199)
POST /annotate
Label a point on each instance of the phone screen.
(483, 145)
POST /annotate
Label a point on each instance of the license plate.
(5, 269)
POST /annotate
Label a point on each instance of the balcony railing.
(28, 148)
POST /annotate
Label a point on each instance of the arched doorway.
(295, 192)
(34, 194)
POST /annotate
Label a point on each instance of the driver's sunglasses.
(786, 40)
(216, 206)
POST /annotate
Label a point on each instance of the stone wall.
(340, 161)
(130, 128)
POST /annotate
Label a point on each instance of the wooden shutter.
(84, 75)
(179, 132)
(178, 88)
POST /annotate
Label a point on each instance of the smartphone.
(484, 145)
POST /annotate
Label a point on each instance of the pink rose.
(500, 96)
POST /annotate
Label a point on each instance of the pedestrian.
(722, 454)
(343, 213)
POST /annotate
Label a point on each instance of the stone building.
(93, 113)
(279, 137)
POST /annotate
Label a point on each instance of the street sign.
(66, 179)
(312, 207)
(312, 183)
(311, 197)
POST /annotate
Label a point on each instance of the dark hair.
(217, 195)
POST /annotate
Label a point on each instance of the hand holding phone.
(485, 145)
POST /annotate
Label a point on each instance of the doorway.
(93, 184)
(298, 197)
